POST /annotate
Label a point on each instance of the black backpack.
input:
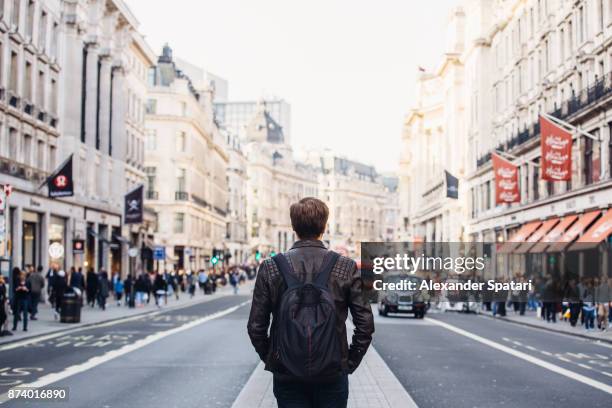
(306, 344)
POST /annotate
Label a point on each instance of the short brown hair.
(309, 217)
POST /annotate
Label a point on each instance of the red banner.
(506, 181)
(556, 145)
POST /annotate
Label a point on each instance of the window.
(27, 84)
(587, 169)
(40, 98)
(151, 140)
(27, 150)
(562, 45)
(13, 144)
(535, 180)
(40, 155)
(53, 158)
(181, 142)
(183, 109)
(151, 76)
(54, 39)
(151, 173)
(179, 223)
(14, 74)
(53, 96)
(15, 13)
(151, 106)
(42, 31)
(181, 180)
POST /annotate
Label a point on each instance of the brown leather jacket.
(345, 284)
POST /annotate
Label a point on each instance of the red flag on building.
(556, 145)
(506, 181)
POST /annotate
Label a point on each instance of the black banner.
(452, 185)
(60, 182)
(134, 204)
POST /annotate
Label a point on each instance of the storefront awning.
(574, 231)
(536, 236)
(520, 237)
(554, 235)
(600, 231)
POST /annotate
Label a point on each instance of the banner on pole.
(556, 145)
(506, 181)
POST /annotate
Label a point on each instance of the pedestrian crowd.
(586, 300)
(31, 286)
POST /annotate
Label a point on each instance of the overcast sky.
(347, 67)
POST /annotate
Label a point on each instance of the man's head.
(309, 218)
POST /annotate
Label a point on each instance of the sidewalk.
(372, 385)
(532, 320)
(46, 324)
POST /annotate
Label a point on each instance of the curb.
(113, 319)
(547, 328)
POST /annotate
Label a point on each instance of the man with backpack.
(308, 292)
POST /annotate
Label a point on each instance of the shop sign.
(56, 250)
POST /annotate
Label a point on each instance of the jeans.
(589, 318)
(34, 300)
(21, 307)
(312, 395)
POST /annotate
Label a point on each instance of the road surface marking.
(608, 374)
(113, 354)
(546, 353)
(585, 366)
(37, 339)
(524, 356)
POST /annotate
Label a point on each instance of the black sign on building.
(452, 185)
(60, 182)
(134, 206)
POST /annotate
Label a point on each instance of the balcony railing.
(599, 91)
(181, 196)
(20, 170)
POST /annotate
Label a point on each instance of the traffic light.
(215, 256)
(257, 255)
(214, 260)
(272, 253)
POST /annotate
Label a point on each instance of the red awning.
(517, 239)
(600, 231)
(554, 235)
(574, 231)
(536, 236)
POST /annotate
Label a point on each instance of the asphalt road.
(200, 356)
(442, 368)
(205, 365)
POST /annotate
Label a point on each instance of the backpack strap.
(286, 271)
(328, 264)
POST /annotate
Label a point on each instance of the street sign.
(133, 252)
(56, 250)
(159, 253)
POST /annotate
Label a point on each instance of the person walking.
(37, 284)
(22, 299)
(602, 297)
(159, 288)
(3, 308)
(128, 288)
(309, 371)
(233, 278)
(91, 282)
(103, 289)
(202, 280)
(59, 288)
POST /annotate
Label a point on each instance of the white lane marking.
(585, 366)
(546, 353)
(608, 374)
(564, 359)
(37, 339)
(531, 348)
(113, 354)
(524, 356)
(601, 356)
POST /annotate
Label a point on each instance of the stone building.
(434, 141)
(186, 165)
(275, 181)
(237, 243)
(64, 86)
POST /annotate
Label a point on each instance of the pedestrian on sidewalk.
(159, 288)
(37, 284)
(602, 297)
(103, 289)
(59, 288)
(309, 371)
(589, 306)
(91, 283)
(128, 288)
(572, 296)
(233, 278)
(4, 308)
(118, 288)
(202, 280)
(22, 299)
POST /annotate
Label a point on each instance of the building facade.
(356, 197)
(434, 141)
(275, 181)
(186, 165)
(236, 116)
(64, 84)
(237, 179)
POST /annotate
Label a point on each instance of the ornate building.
(186, 165)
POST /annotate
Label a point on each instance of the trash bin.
(71, 308)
